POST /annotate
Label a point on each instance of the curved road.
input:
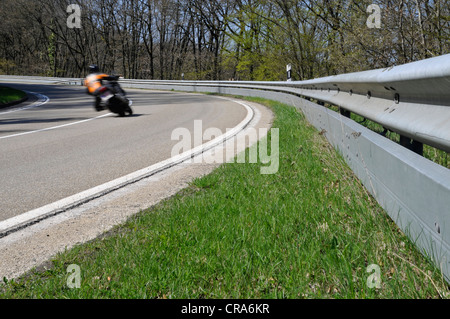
(85, 148)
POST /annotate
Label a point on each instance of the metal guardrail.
(412, 100)
(41, 79)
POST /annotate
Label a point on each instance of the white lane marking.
(55, 127)
(62, 205)
(42, 100)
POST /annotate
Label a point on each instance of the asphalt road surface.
(63, 147)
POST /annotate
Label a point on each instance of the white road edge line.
(31, 217)
(55, 127)
(42, 100)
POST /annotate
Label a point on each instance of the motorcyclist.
(94, 84)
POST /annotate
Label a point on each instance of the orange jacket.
(94, 81)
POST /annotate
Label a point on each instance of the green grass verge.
(309, 231)
(8, 95)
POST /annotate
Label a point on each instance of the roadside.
(89, 221)
(311, 230)
(10, 96)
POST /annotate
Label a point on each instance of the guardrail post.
(411, 144)
(345, 112)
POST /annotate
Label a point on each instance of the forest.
(250, 40)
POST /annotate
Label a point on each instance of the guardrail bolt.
(438, 228)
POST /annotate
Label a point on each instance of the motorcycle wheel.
(124, 110)
(129, 110)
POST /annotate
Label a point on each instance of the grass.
(309, 231)
(8, 95)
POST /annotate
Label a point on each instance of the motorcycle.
(114, 98)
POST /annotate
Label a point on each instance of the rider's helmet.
(93, 68)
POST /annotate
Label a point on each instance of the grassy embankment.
(9, 95)
(309, 231)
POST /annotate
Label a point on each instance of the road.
(63, 147)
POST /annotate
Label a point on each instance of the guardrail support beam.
(345, 112)
(411, 144)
